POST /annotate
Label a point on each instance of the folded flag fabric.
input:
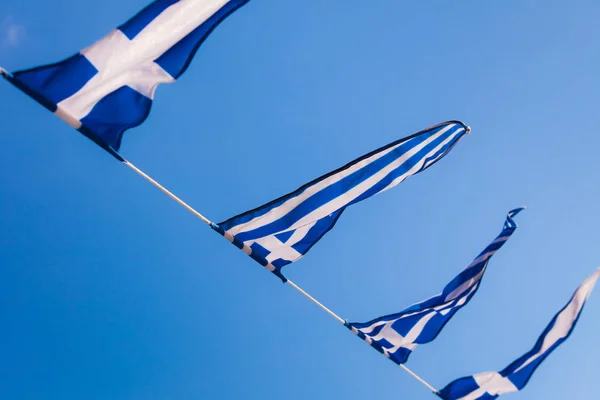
(490, 385)
(108, 88)
(280, 232)
(397, 335)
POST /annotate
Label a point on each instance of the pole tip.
(5, 73)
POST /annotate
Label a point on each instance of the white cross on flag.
(109, 87)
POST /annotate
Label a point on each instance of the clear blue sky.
(110, 290)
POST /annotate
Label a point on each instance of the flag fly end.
(468, 130)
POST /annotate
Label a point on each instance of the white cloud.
(12, 32)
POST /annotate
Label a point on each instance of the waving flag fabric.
(282, 231)
(397, 335)
(490, 385)
(108, 87)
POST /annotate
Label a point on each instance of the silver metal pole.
(292, 284)
(308, 296)
(417, 377)
(167, 192)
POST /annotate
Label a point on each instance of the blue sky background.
(110, 290)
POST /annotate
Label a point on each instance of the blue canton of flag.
(397, 335)
(108, 87)
(490, 385)
(282, 231)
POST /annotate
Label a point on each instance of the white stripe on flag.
(400, 179)
(566, 318)
(339, 202)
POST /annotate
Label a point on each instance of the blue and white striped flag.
(397, 335)
(280, 232)
(108, 87)
(490, 385)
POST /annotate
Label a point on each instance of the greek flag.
(397, 335)
(108, 87)
(280, 232)
(490, 385)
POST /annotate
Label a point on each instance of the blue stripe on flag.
(260, 211)
(414, 160)
(339, 188)
(332, 192)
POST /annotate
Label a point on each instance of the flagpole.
(423, 381)
(292, 284)
(308, 296)
(167, 192)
